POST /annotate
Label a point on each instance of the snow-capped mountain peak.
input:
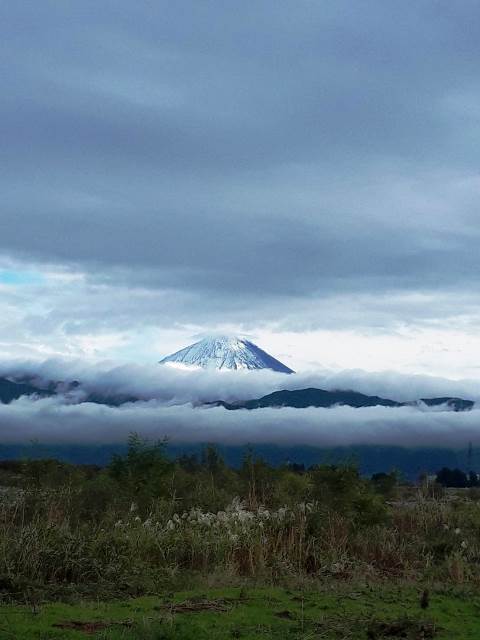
(225, 352)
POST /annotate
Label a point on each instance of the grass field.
(325, 612)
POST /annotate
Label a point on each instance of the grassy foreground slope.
(150, 548)
(336, 612)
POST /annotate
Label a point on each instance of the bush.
(341, 489)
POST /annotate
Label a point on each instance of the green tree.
(385, 483)
(343, 490)
(144, 472)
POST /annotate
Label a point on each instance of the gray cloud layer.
(254, 154)
(171, 398)
(49, 421)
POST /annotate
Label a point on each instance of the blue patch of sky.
(16, 277)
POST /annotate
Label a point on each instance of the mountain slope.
(225, 352)
(303, 398)
(10, 391)
(456, 404)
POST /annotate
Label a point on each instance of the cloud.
(51, 421)
(324, 155)
(171, 386)
(277, 168)
(171, 404)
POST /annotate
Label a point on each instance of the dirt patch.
(197, 606)
(285, 615)
(408, 629)
(91, 627)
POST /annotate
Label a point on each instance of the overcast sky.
(304, 172)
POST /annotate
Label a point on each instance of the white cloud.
(69, 314)
(49, 421)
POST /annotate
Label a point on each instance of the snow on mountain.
(225, 352)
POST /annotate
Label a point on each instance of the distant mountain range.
(11, 390)
(303, 398)
(225, 352)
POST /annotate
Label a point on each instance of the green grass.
(338, 612)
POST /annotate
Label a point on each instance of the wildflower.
(118, 524)
(464, 544)
(457, 531)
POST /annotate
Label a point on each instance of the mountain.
(455, 404)
(10, 390)
(225, 352)
(303, 398)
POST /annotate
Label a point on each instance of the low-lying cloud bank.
(173, 386)
(170, 402)
(51, 421)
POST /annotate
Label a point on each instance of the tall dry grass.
(46, 542)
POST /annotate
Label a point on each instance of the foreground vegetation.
(321, 546)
